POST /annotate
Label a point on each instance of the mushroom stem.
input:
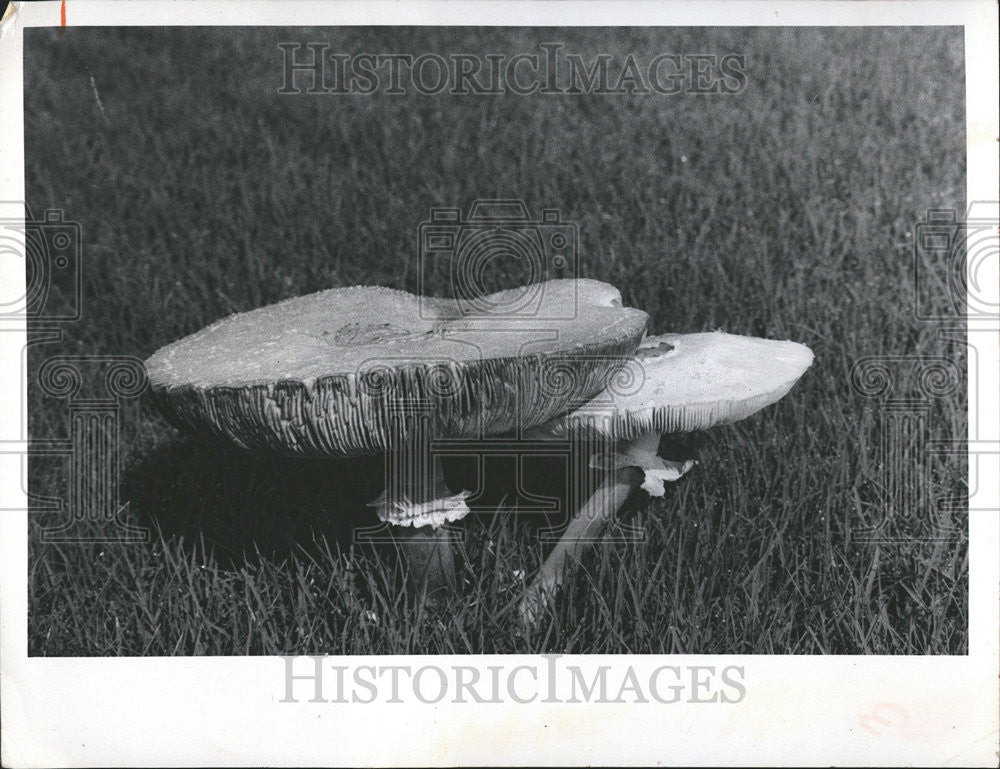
(645, 443)
(426, 549)
(581, 532)
(430, 564)
(635, 464)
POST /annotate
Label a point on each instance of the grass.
(785, 211)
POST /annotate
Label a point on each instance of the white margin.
(225, 711)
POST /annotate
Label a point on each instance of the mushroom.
(363, 370)
(679, 383)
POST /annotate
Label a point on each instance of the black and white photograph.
(439, 358)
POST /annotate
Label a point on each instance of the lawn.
(787, 210)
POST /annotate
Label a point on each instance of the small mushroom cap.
(322, 374)
(678, 383)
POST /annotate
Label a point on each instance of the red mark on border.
(62, 18)
(881, 714)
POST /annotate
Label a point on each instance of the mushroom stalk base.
(417, 505)
(430, 563)
(578, 537)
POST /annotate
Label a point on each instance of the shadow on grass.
(242, 505)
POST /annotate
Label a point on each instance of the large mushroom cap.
(683, 382)
(321, 374)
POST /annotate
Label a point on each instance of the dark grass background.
(785, 211)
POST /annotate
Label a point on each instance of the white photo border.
(818, 710)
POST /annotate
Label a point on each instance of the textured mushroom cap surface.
(683, 382)
(325, 374)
